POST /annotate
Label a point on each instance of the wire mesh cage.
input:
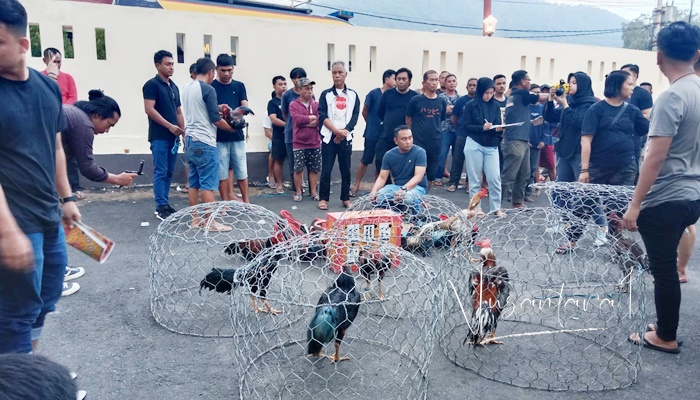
(426, 225)
(373, 317)
(192, 254)
(523, 308)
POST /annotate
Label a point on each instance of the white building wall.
(272, 46)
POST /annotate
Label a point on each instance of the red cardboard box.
(356, 229)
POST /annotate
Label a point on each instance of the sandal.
(451, 188)
(297, 198)
(346, 203)
(437, 183)
(322, 205)
(652, 328)
(353, 193)
(271, 184)
(79, 195)
(316, 198)
(565, 249)
(500, 214)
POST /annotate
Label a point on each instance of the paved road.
(106, 333)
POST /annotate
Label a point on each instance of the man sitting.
(407, 164)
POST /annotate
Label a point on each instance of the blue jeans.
(163, 166)
(448, 140)
(203, 160)
(483, 160)
(534, 165)
(26, 298)
(411, 200)
(232, 155)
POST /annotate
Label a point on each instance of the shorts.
(232, 156)
(278, 150)
(369, 151)
(547, 157)
(309, 158)
(203, 161)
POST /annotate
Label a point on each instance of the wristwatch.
(404, 188)
(68, 199)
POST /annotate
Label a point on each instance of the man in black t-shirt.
(161, 99)
(424, 115)
(392, 112)
(232, 154)
(516, 141)
(274, 111)
(33, 181)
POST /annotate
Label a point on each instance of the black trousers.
(73, 174)
(329, 152)
(661, 228)
(457, 160)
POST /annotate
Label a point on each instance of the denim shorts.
(204, 165)
(26, 298)
(232, 156)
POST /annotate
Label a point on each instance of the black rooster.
(335, 312)
(257, 275)
(627, 253)
(374, 263)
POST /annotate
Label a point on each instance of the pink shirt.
(67, 85)
(304, 137)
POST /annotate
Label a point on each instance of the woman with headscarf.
(482, 121)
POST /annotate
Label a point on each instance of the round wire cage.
(426, 226)
(374, 319)
(563, 317)
(192, 255)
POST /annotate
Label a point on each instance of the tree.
(35, 40)
(636, 34)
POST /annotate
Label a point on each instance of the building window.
(372, 58)
(331, 54)
(35, 40)
(100, 44)
(460, 63)
(426, 60)
(207, 46)
(68, 50)
(180, 39)
(234, 49)
(351, 56)
(523, 62)
(443, 60)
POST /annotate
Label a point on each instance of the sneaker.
(601, 236)
(162, 212)
(558, 228)
(73, 273)
(80, 395)
(69, 288)
(171, 209)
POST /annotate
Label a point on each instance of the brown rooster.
(489, 287)
(373, 262)
(627, 253)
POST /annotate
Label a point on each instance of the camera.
(561, 88)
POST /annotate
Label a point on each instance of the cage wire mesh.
(188, 294)
(564, 319)
(428, 226)
(380, 311)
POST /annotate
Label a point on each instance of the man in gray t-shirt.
(202, 115)
(667, 197)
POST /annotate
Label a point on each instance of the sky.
(628, 9)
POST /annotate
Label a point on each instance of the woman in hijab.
(482, 121)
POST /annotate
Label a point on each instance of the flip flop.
(322, 205)
(437, 183)
(297, 198)
(451, 188)
(648, 345)
(652, 328)
(683, 280)
(353, 193)
(346, 204)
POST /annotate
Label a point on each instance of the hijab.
(584, 90)
(489, 109)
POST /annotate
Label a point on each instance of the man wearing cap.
(338, 110)
(306, 142)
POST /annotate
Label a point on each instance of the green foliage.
(35, 40)
(100, 42)
(636, 34)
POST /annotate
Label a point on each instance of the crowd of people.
(502, 135)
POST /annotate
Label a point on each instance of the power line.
(443, 25)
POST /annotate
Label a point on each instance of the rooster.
(453, 224)
(257, 275)
(335, 312)
(489, 287)
(626, 252)
(374, 263)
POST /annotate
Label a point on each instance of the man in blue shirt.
(406, 163)
(373, 129)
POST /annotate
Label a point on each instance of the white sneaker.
(556, 229)
(80, 395)
(601, 236)
(70, 288)
(73, 273)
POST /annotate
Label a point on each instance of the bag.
(619, 113)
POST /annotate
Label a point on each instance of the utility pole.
(487, 12)
(662, 16)
(690, 15)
